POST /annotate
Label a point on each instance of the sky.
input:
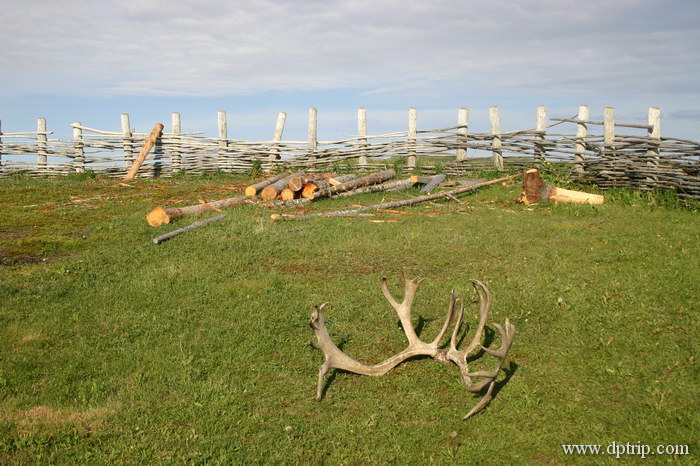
(91, 60)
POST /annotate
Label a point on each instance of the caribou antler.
(337, 359)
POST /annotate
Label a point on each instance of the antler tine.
(448, 319)
(403, 309)
(484, 309)
(458, 325)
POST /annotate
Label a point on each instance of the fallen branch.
(179, 231)
(407, 202)
(148, 145)
(160, 216)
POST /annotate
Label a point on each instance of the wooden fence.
(644, 161)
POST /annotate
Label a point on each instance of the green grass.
(115, 350)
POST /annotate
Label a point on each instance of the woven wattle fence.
(646, 161)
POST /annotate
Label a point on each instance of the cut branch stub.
(475, 382)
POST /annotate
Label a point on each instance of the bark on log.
(173, 234)
(254, 189)
(407, 202)
(160, 216)
(374, 178)
(273, 190)
(147, 146)
(337, 180)
(536, 190)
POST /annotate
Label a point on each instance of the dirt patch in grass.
(42, 418)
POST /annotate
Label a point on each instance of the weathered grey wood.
(0, 143)
(609, 129)
(412, 132)
(540, 128)
(42, 144)
(471, 182)
(462, 130)
(496, 143)
(654, 133)
(176, 151)
(581, 133)
(313, 133)
(433, 183)
(362, 137)
(163, 238)
(78, 144)
(598, 122)
(277, 137)
(222, 125)
(127, 141)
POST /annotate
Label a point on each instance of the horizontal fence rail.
(646, 161)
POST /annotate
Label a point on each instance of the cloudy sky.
(90, 60)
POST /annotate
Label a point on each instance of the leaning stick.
(148, 145)
(407, 202)
(160, 216)
(179, 231)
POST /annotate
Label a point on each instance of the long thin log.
(179, 231)
(160, 216)
(148, 145)
(254, 189)
(407, 202)
(374, 178)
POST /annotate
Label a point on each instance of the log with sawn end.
(160, 216)
(536, 190)
(273, 190)
(374, 178)
(254, 189)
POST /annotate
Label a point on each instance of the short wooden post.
(222, 125)
(609, 130)
(540, 128)
(581, 133)
(313, 133)
(412, 132)
(496, 143)
(42, 145)
(79, 147)
(0, 143)
(127, 141)
(362, 136)
(462, 130)
(176, 144)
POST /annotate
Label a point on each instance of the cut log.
(160, 216)
(287, 194)
(394, 185)
(254, 189)
(374, 178)
(147, 146)
(273, 190)
(310, 189)
(337, 180)
(407, 202)
(173, 234)
(536, 190)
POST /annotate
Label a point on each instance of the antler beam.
(337, 359)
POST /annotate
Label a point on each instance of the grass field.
(115, 350)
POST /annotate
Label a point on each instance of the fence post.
(276, 138)
(412, 132)
(654, 132)
(79, 161)
(127, 142)
(222, 125)
(313, 133)
(0, 143)
(581, 133)
(463, 124)
(540, 128)
(609, 130)
(176, 151)
(496, 143)
(42, 144)
(362, 136)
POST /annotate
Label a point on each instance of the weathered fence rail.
(644, 161)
